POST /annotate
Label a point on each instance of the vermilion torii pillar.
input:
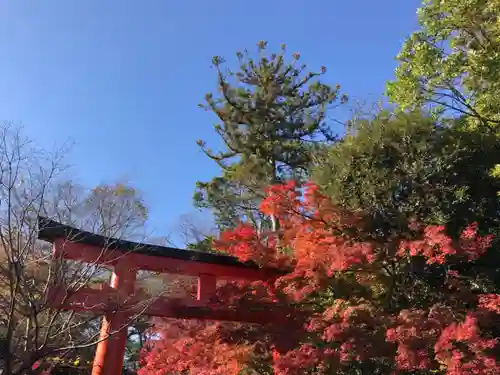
(117, 302)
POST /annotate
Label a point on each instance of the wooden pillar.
(111, 350)
(207, 285)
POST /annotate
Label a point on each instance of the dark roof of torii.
(50, 230)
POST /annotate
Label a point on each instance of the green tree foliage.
(271, 115)
(402, 167)
(204, 245)
(453, 60)
(390, 242)
(406, 305)
(136, 338)
(399, 169)
(387, 264)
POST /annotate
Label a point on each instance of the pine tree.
(272, 116)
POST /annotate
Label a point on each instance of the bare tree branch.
(32, 183)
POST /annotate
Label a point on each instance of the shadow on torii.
(125, 258)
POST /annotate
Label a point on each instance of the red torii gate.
(125, 258)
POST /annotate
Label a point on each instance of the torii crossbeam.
(125, 258)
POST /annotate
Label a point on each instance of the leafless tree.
(33, 183)
(193, 227)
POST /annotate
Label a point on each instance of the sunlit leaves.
(453, 61)
(337, 324)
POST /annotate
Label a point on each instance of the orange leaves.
(295, 361)
(318, 255)
(427, 341)
(414, 331)
(410, 324)
(471, 244)
(322, 239)
(435, 245)
(246, 244)
(354, 332)
(195, 347)
(344, 334)
(280, 199)
(490, 302)
(317, 246)
(462, 350)
(312, 229)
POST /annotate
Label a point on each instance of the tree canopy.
(358, 305)
(389, 233)
(387, 236)
(271, 115)
(453, 61)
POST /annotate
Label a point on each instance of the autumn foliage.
(407, 304)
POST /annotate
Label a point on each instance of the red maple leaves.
(462, 350)
(344, 286)
(490, 302)
(192, 346)
(414, 332)
(246, 244)
(435, 245)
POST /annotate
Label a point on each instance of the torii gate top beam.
(89, 247)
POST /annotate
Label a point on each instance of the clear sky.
(122, 79)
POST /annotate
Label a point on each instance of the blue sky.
(122, 79)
